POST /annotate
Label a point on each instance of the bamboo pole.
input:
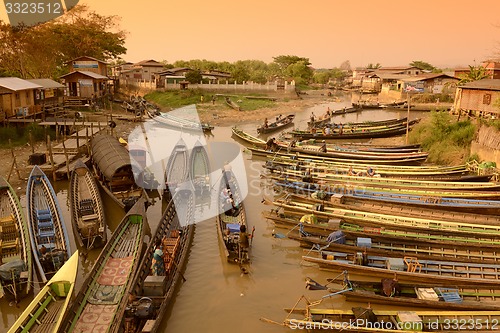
(87, 140)
(14, 163)
(67, 158)
(51, 157)
(32, 143)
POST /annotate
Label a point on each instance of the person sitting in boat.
(370, 172)
(157, 264)
(351, 172)
(271, 144)
(328, 130)
(266, 123)
(307, 176)
(323, 147)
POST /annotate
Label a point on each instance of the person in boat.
(157, 264)
(270, 144)
(328, 113)
(370, 172)
(244, 240)
(341, 128)
(266, 123)
(313, 117)
(328, 130)
(307, 176)
(323, 147)
(351, 172)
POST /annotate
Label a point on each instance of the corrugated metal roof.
(109, 155)
(47, 83)
(86, 57)
(485, 84)
(17, 84)
(91, 74)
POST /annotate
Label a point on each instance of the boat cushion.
(449, 295)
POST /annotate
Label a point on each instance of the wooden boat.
(426, 296)
(112, 166)
(177, 170)
(362, 320)
(391, 221)
(87, 213)
(248, 138)
(407, 184)
(46, 310)
(148, 302)
(323, 228)
(231, 218)
(16, 265)
(327, 117)
(425, 199)
(170, 120)
(339, 201)
(232, 104)
(277, 125)
(364, 133)
(100, 297)
(49, 238)
(408, 269)
(199, 171)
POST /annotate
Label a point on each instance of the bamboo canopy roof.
(109, 155)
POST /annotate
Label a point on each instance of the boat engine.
(143, 308)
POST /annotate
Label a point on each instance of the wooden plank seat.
(8, 248)
(449, 295)
(45, 224)
(86, 207)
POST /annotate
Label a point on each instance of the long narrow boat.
(152, 292)
(16, 265)
(199, 169)
(248, 138)
(277, 125)
(100, 298)
(231, 218)
(420, 296)
(170, 120)
(323, 228)
(395, 321)
(391, 221)
(177, 170)
(49, 238)
(87, 212)
(112, 165)
(326, 118)
(408, 269)
(358, 134)
(406, 184)
(46, 310)
(232, 104)
(490, 207)
(339, 201)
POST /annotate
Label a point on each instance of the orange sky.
(328, 32)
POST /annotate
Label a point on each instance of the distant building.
(142, 71)
(17, 97)
(478, 98)
(117, 70)
(50, 94)
(404, 70)
(88, 64)
(433, 83)
(492, 69)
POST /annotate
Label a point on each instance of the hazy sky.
(328, 32)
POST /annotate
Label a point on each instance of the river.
(216, 297)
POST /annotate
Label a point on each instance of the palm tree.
(475, 73)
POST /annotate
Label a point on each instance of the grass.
(447, 141)
(21, 136)
(180, 98)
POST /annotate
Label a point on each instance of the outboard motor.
(144, 308)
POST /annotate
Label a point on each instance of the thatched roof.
(109, 155)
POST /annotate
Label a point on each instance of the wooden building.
(88, 64)
(143, 71)
(434, 83)
(17, 97)
(84, 85)
(51, 94)
(479, 98)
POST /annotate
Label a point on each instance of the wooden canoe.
(148, 303)
(87, 211)
(231, 217)
(177, 169)
(250, 139)
(199, 169)
(49, 238)
(426, 271)
(46, 310)
(277, 125)
(490, 207)
(359, 134)
(16, 266)
(100, 297)
(181, 123)
(232, 104)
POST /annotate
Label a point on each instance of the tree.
(300, 71)
(193, 76)
(425, 66)
(284, 61)
(345, 66)
(475, 73)
(41, 50)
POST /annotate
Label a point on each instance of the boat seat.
(8, 248)
(449, 295)
(90, 217)
(86, 207)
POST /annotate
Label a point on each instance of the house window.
(27, 94)
(18, 97)
(487, 99)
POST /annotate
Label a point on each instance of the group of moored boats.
(401, 234)
(128, 289)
